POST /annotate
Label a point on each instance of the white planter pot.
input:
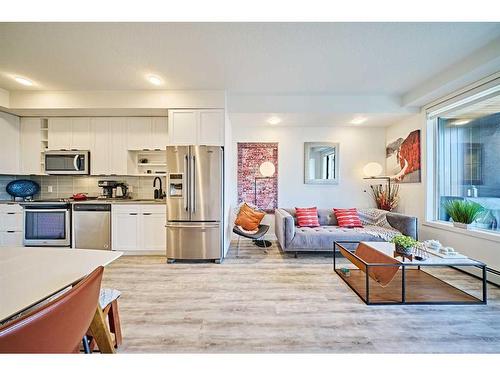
(462, 225)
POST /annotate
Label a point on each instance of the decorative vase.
(403, 250)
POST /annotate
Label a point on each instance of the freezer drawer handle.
(192, 226)
(147, 213)
(133, 214)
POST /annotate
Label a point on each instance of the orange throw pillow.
(248, 218)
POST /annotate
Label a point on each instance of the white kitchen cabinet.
(183, 127)
(138, 228)
(31, 140)
(211, 127)
(153, 231)
(200, 127)
(100, 148)
(159, 137)
(108, 150)
(125, 229)
(9, 144)
(80, 131)
(11, 224)
(118, 146)
(11, 239)
(139, 133)
(59, 133)
(69, 133)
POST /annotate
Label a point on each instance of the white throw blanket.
(376, 224)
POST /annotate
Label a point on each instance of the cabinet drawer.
(11, 207)
(126, 208)
(11, 238)
(11, 221)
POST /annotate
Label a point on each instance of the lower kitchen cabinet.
(11, 225)
(138, 228)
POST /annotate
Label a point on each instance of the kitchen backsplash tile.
(66, 186)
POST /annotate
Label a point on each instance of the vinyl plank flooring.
(274, 303)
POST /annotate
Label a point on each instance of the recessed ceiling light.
(155, 80)
(358, 120)
(273, 120)
(461, 122)
(23, 81)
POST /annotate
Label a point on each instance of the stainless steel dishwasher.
(92, 226)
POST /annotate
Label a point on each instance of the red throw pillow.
(307, 217)
(347, 217)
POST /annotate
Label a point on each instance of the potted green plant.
(463, 212)
(404, 244)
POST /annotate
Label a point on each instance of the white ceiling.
(314, 119)
(348, 58)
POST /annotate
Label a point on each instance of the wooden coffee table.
(411, 285)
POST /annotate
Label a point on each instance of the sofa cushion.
(325, 216)
(307, 217)
(323, 237)
(347, 217)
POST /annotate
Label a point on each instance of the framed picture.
(403, 158)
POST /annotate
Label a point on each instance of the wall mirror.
(321, 163)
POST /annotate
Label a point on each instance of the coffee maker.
(113, 189)
(107, 188)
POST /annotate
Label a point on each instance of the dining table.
(31, 275)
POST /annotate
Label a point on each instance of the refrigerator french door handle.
(193, 184)
(186, 183)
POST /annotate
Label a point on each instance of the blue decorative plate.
(22, 188)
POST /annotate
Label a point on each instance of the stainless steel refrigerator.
(194, 202)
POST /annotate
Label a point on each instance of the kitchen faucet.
(158, 192)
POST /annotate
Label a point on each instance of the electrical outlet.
(49, 189)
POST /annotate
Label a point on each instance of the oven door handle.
(31, 210)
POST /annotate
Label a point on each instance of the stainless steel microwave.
(67, 162)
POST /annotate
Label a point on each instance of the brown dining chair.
(58, 326)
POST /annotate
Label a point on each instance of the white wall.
(413, 202)
(358, 146)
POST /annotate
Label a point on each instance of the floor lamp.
(267, 170)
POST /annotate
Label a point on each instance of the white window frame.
(478, 91)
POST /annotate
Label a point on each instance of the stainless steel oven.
(67, 162)
(47, 224)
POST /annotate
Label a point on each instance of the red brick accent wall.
(250, 157)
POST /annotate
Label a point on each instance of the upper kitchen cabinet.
(69, 133)
(9, 144)
(201, 127)
(146, 133)
(183, 127)
(108, 151)
(139, 133)
(160, 133)
(80, 127)
(211, 128)
(33, 137)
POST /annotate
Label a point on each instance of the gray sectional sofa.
(378, 225)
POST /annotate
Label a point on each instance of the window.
(468, 159)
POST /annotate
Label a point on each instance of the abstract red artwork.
(253, 187)
(403, 158)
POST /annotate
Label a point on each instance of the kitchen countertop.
(94, 201)
(121, 201)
